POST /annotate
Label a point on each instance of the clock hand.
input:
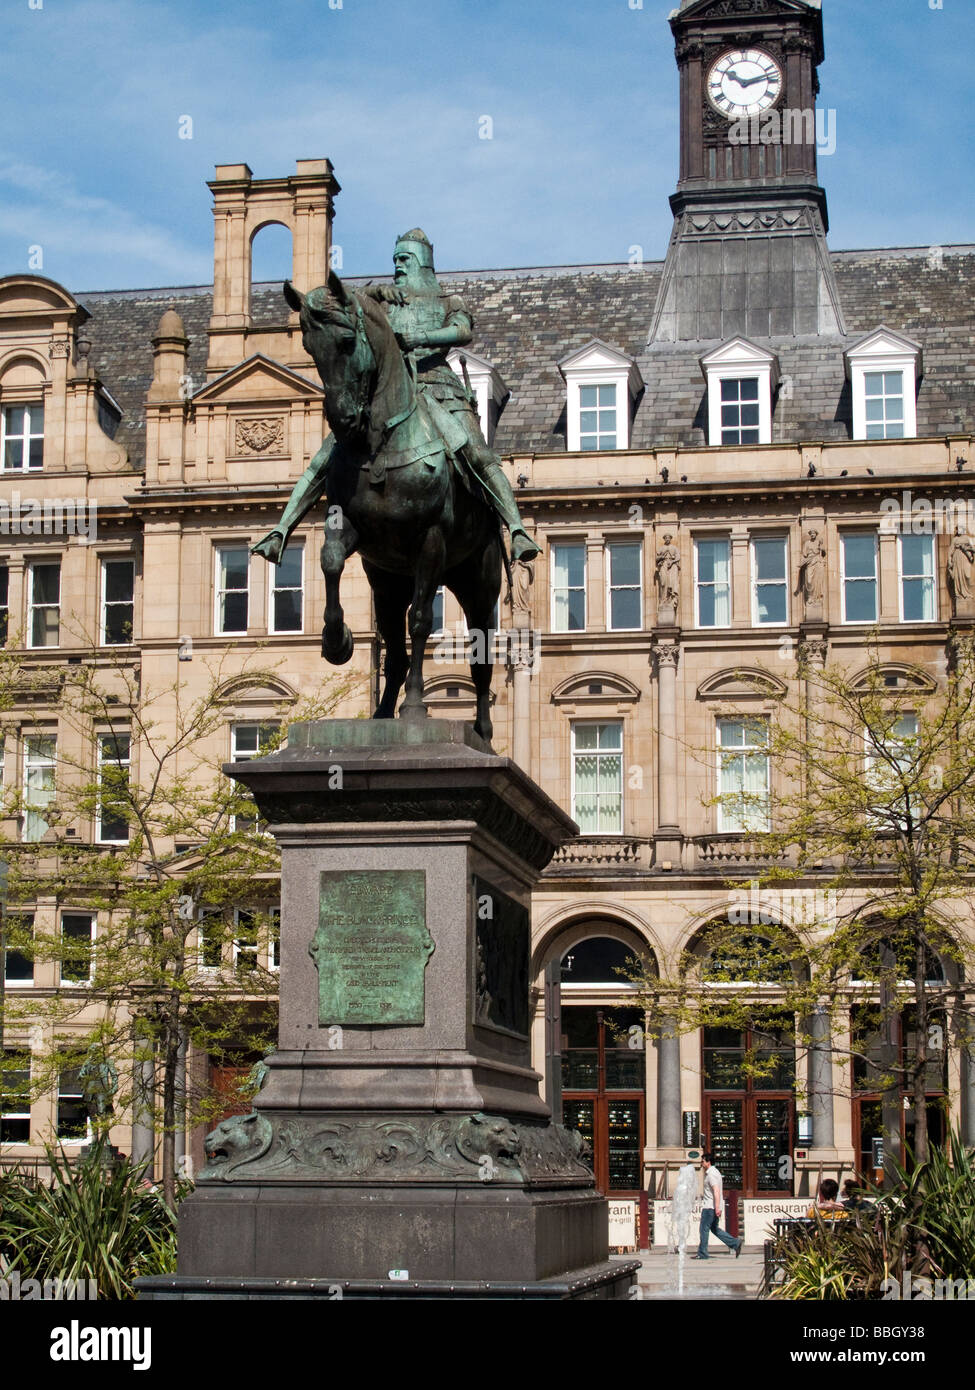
(750, 81)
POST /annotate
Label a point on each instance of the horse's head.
(334, 336)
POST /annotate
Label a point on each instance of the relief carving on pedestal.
(473, 1148)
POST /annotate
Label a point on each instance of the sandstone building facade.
(704, 445)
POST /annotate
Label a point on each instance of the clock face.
(744, 82)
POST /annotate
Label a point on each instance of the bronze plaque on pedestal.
(371, 947)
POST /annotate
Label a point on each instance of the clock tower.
(748, 253)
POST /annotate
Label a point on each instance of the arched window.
(730, 956)
(599, 960)
(271, 265)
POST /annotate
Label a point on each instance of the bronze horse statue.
(397, 497)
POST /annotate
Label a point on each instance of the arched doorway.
(603, 1059)
(748, 1057)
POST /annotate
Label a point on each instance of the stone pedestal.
(399, 1136)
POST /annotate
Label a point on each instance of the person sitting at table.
(827, 1206)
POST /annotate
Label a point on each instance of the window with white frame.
(918, 593)
(73, 1126)
(597, 778)
(883, 398)
(741, 380)
(858, 552)
(232, 590)
(250, 741)
(18, 962)
(624, 580)
(601, 385)
(743, 776)
(4, 603)
(883, 369)
(770, 581)
(245, 939)
(77, 948)
(44, 604)
(712, 582)
(40, 761)
(114, 756)
(597, 417)
(15, 1097)
(739, 410)
(118, 601)
(23, 437)
(890, 759)
(568, 586)
(287, 591)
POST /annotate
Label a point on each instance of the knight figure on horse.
(417, 491)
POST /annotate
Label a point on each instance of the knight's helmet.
(418, 244)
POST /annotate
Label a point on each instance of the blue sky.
(582, 95)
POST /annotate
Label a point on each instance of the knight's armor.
(417, 310)
(415, 313)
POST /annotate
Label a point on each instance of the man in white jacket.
(711, 1210)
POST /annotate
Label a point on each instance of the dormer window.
(741, 379)
(23, 437)
(884, 369)
(490, 392)
(601, 385)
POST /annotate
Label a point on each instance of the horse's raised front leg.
(429, 573)
(337, 641)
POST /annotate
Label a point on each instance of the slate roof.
(527, 319)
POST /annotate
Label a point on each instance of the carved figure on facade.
(667, 574)
(812, 567)
(961, 564)
(522, 579)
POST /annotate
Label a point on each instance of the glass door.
(603, 1081)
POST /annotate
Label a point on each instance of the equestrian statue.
(409, 480)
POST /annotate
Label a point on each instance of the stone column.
(143, 1133)
(821, 1080)
(521, 654)
(667, 836)
(595, 584)
(888, 599)
(968, 1094)
(668, 1087)
(522, 733)
(741, 580)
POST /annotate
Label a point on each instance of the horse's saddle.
(439, 434)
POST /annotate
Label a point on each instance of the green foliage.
(925, 1228)
(96, 1223)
